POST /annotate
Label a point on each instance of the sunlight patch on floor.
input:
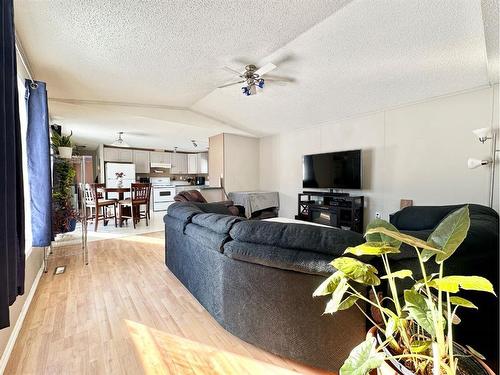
(163, 353)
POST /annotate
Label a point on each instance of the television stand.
(334, 209)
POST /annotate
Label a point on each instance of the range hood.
(161, 165)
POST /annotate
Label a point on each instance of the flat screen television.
(333, 170)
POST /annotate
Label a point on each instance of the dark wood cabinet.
(341, 211)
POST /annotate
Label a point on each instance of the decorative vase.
(119, 182)
(65, 152)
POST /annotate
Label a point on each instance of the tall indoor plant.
(63, 214)
(417, 331)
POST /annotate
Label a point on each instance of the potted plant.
(62, 145)
(63, 213)
(416, 336)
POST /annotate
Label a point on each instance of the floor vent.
(59, 270)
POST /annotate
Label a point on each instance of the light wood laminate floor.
(125, 313)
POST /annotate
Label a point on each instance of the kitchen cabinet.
(202, 162)
(118, 154)
(141, 161)
(179, 163)
(160, 157)
(192, 163)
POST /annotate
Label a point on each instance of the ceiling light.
(119, 142)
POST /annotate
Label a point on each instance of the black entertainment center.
(332, 170)
(336, 210)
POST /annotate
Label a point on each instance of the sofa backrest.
(304, 237)
(416, 218)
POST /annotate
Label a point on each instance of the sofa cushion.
(331, 241)
(285, 259)
(185, 211)
(218, 223)
(206, 237)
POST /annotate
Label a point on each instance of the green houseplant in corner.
(63, 214)
(416, 336)
(61, 144)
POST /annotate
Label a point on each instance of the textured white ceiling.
(347, 58)
(157, 128)
(368, 56)
(154, 52)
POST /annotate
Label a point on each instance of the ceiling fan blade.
(265, 69)
(279, 78)
(277, 82)
(229, 69)
(230, 84)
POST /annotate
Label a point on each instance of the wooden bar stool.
(97, 205)
(139, 196)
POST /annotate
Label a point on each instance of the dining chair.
(139, 196)
(97, 205)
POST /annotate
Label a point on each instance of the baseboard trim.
(19, 323)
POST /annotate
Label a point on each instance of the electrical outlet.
(378, 215)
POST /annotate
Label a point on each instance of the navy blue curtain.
(11, 171)
(38, 147)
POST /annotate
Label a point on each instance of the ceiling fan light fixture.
(119, 142)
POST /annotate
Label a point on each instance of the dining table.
(123, 211)
(121, 192)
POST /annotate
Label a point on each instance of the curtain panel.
(11, 171)
(38, 150)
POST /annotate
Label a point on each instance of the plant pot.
(470, 365)
(65, 152)
(72, 225)
(119, 182)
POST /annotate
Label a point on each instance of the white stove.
(163, 193)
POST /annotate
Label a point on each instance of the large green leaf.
(453, 284)
(348, 302)
(405, 238)
(334, 304)
(362, 359)
(380, 237)
(459, 301)
(418, 308)
(402, 274)
(419, 346)
(329, 285)
(372, 248)
(356, 270)
(448, 235)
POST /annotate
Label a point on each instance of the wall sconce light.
(474, 163)
(483, 134)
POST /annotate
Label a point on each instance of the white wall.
(417, 152)
(241, 163)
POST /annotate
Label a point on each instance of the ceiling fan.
(252, 76)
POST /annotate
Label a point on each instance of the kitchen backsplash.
(173, 177)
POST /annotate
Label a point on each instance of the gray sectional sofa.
(256, 279)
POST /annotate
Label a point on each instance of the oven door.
(162, 194)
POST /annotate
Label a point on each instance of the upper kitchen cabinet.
(118, 154)
(202, 162)
(192, 163)
(160, 157)
(179, 163)
(141, 161)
